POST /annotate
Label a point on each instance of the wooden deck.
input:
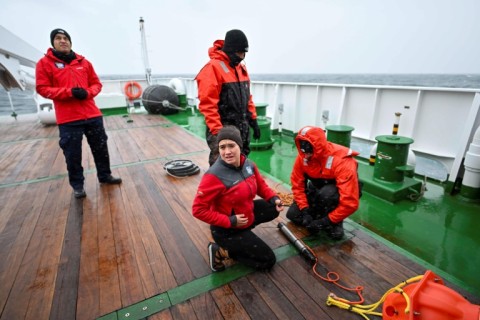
(136, 248)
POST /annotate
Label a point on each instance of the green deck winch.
(265, 141)
(391, 160)
(391, 178)
(340, 134)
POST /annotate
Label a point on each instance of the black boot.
(335, 231)
(111, 180)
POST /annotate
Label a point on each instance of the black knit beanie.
(230, 133)
(58, 30)
(235, 41)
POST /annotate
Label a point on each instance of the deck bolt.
(145, 308)
(127, 315)
(161, 300)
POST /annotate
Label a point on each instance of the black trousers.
(71, 135)
(323, 197)
(245, 246)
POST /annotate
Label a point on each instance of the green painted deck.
(134, 251)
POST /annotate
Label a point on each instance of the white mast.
(146, 63)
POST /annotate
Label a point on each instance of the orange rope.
(333, 277)
(286, 198)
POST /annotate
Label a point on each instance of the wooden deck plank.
(109, 283)
(15, 161)
(183, 261)
(228, 303)
(64, 302)
(157, 261)
(34, 275)
(130, 281)
(308, 307)
(88, 303)
(52, 241)
(19, 219)
(300, 271)
(184, 311)
(273, 297)
(65, 258)
(249, 296)
(205, 308)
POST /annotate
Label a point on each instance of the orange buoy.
(133, 90)
(428, 299)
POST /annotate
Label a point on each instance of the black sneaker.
(79, 193)
(215, 257)
(111, 180)
(335, 231)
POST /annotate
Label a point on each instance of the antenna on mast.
(146, 63)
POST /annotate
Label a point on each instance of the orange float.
(429, 299)
(133, 90)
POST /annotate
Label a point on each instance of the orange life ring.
(133, 90)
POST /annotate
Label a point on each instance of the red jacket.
(224, 189)
(55, 80)
(223, 91)
(329, 161)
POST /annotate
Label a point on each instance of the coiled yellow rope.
(364, 310)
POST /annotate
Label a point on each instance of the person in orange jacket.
(325, 183)
(70, 81)
(224, 92)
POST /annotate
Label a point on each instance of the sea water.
(24, 102)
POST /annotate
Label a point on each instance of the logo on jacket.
(60, 65)
(249, 169)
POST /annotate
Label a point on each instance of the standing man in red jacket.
(224, 92)
(324, 182)
(70, 81)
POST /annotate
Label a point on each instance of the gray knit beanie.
(230, 133)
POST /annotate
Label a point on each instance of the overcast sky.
(297, 36)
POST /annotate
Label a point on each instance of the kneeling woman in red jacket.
(225, 200)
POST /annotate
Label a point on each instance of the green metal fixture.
(265, 141)
(182, 100)
(391, 160)
(391, 178)
(340, 134)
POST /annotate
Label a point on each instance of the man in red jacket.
(324, 182)
(70, 81)
(224, 92)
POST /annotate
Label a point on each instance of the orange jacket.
(55, 80)
(223, 91)
(329, 161)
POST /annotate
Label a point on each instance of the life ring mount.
(133, 90)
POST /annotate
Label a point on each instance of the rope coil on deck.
(181, 168)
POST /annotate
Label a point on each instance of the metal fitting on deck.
(471, 179)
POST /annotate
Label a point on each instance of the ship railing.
(441, 121)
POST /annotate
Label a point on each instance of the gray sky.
(298, 36)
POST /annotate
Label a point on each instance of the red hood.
(215, 52)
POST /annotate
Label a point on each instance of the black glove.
(273, 199)
(256, 129)
(79, 93)
(306, 217)
(233, 219)
(320, 224)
